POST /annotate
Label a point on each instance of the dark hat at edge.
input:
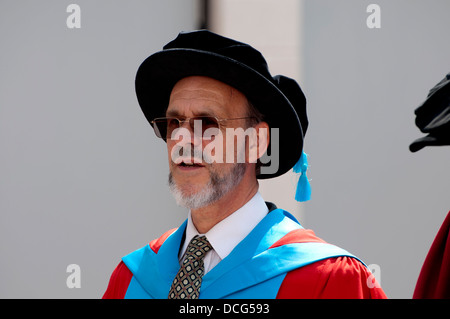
(433, 117)
(204, 53)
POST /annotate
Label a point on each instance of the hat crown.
(205, 40)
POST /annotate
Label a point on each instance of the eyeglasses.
(164, 126)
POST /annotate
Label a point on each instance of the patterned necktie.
(188, 280)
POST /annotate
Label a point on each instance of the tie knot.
(198, 247)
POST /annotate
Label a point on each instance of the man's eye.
(172, 123)
(209, 122)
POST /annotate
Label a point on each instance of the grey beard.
(214, 190)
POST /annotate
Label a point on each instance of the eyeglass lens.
(164, 127)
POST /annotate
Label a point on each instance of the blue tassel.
(303, 192)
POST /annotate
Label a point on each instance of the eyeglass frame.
(188, 119)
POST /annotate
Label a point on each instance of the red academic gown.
(330, 278)
(434, 277)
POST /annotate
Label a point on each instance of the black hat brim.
(158, 74)
(429, 140)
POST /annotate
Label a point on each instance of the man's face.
(197, 185)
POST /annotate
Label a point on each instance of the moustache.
(189, 154)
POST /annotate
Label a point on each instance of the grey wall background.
(370, 194)
(82, 178)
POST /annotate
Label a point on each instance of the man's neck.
(206, 217)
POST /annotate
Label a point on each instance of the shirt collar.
(229, 232)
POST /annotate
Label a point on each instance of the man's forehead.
(204, 94)
(205, 110)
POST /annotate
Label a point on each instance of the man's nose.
(195, 130)
(185, 134)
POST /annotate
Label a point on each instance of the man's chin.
(188, 191)
(196, 195)
(189, 195)
(187, 187)
(192, 200)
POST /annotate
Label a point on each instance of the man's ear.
(258, 145)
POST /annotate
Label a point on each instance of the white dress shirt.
(229, 232)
